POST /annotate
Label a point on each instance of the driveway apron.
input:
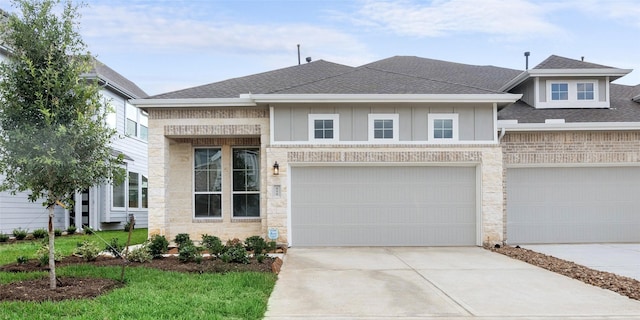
(432, 283)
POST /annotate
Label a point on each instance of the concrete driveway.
(619, 258)
(432, 283)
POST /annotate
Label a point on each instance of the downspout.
(503, 131)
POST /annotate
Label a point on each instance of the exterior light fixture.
(276, 169)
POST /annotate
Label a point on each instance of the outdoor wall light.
(276, 169)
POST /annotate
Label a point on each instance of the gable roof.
(116, 81)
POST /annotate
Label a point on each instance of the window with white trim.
(207, 188)
(572, 91)
(383, 127)
(136, 187)
(324, 127)
(246, 182)
(585, 90)
(443, 126)
(137, 122)
(559, 91)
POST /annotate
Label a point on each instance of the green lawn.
(66, 244)
(148, 293)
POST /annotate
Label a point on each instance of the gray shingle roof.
(112, 77)
(262, 83)
(557, 62)
(623, 109)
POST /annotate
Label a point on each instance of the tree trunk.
(52, 260)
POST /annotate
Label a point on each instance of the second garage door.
(383, 206)
(573, 205)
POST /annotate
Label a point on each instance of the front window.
(383, 127)
(443, 126)
(559, 91)
(208, 183)
(585, 91)
(133, 190)
(323, 128)
(246, 182)
(117, 195)
(145, 192)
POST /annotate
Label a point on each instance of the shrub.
(43, 255)
(128, 225)
(256, 244)
(235, 252)
(114, 247)
(140, 254)
(57, 232)
(212, 244)
(188, 252)
(158, 245)
(4, 237)
(87, 230)
(87, 250)
(182, 239)
(71, 230)
(21, 259)
(40, 233)
(20, 233)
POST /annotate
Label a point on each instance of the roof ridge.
(314, 81)
(434, 80)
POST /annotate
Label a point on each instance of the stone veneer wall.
(173, 133)
(568, 148)
(488, 158)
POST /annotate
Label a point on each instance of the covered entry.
(383, 206)
(573, 205)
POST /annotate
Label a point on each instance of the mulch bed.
(623, 285)
(84, 288)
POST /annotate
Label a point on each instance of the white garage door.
(573, 205)
(383, 206)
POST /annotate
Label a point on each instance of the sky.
(167, 45)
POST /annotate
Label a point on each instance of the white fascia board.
(510, 125)
(515, 81)
(193, 103)
(579, 72)
(371, 98)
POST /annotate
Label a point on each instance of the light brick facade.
(173, 135)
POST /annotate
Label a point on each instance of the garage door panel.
(383, 206)
(573, 205)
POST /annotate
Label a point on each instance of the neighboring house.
(105, 206)
(404, 151)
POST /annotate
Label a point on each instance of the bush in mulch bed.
(623, 285)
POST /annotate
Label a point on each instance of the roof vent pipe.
(526, 60)
(582, 58)
(308, 59)
(298, 54)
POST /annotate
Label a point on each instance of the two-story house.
(103, 206)
(404, 151)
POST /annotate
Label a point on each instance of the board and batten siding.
(291, 122)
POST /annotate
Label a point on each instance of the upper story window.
(323, 127)
(383, 127)
(443, 126)
(137, 122)
(559, 91)
(585, 90)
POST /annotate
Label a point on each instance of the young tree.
(54, 141)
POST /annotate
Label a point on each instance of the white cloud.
(139, 28)
(513, 18)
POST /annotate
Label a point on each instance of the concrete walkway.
(432, 283)
(619, 258)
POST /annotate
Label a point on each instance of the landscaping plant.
(158, 245)
(71, 230)
(20, 233)
(57, 232)
(39, 233)
(213, 244)
(182, 238)
(88, 250)
(234, 251)
(140, 254)
(114, 247)
(188, 252)
(43, 255)
(4, 237)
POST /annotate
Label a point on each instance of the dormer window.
(580, 93)
(559, 91)
(585, 91)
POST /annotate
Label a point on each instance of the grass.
(148, 293)
(66, 244)
(154, 294)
